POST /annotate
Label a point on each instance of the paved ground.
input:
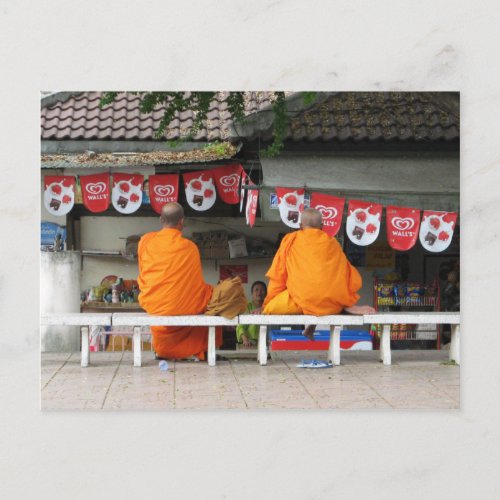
(416, 379)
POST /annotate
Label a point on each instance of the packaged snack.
(413, 290)
(385, 290)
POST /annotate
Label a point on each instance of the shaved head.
(311, 218)
(171, 214)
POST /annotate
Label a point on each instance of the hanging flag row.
(125, 191)
(230, 183)
(403, 224)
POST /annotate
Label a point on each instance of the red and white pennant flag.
(402, 227)
(200, 189)
(290, 205)
(59, 194)
(95, 192)
(332, 210)
(163, 188)
(126, 194)
(436, 230)
(227, 180)
(251, 206)
(363, 222)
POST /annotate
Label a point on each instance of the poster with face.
(163, 188)
(251, 207)
(363, 222)
(95, 192)
(59, 193)
(332, 210)
(290, 205)
(126, 195)
(436, 230)
(227, 181)
(200, 190)
(402, 227)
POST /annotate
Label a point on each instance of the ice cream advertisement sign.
(332, 210)
(290, 205)
(59, 193)
(126, 195)
(436, 230)
(402, 227)
(95, 192)
(227, 181)
(363, 222)
(251, 206)
(200, 190)
(163, 188)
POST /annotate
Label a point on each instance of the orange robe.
(310, 274)
(171, 283)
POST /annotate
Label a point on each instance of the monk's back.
(170, 275)
(319, 275)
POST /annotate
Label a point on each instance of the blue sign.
(273, 201)
(307, 200)
(52, 235)
(49, 231)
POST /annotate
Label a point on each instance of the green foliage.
(280, 126)
(219, 148)
(309, 97)
(107, 98)
(198, 104)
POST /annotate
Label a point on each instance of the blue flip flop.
(314, 363)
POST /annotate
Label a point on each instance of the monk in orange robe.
(171, 283)
(310, 274)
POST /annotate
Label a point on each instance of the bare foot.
(309, 331)
(246, 341)
(360, 310)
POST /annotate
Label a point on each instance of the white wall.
(60, 292)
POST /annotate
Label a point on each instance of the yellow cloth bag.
(228, 299)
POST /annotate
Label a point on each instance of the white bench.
(143, 319)
(436, 318)
(84, 321)
(335, 322)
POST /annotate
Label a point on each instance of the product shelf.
(408, 296)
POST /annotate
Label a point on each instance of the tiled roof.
(375, 116)
(343, 116)
(80, 117)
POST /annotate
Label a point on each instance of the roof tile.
(342, 116)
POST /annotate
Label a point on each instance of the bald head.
(172, 214)
(311, 218)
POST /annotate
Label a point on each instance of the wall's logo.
(96, 187)
(230, 180)
(327, 212)
(163, 190)
(403, 224)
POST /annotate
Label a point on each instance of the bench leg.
(137, 346)
(334, 347)
(262, 349)
(211, 346)
(455, 344)
(85, 346)
(385, 345)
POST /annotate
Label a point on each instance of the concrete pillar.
(60, 293)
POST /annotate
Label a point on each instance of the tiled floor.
(416, 379)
